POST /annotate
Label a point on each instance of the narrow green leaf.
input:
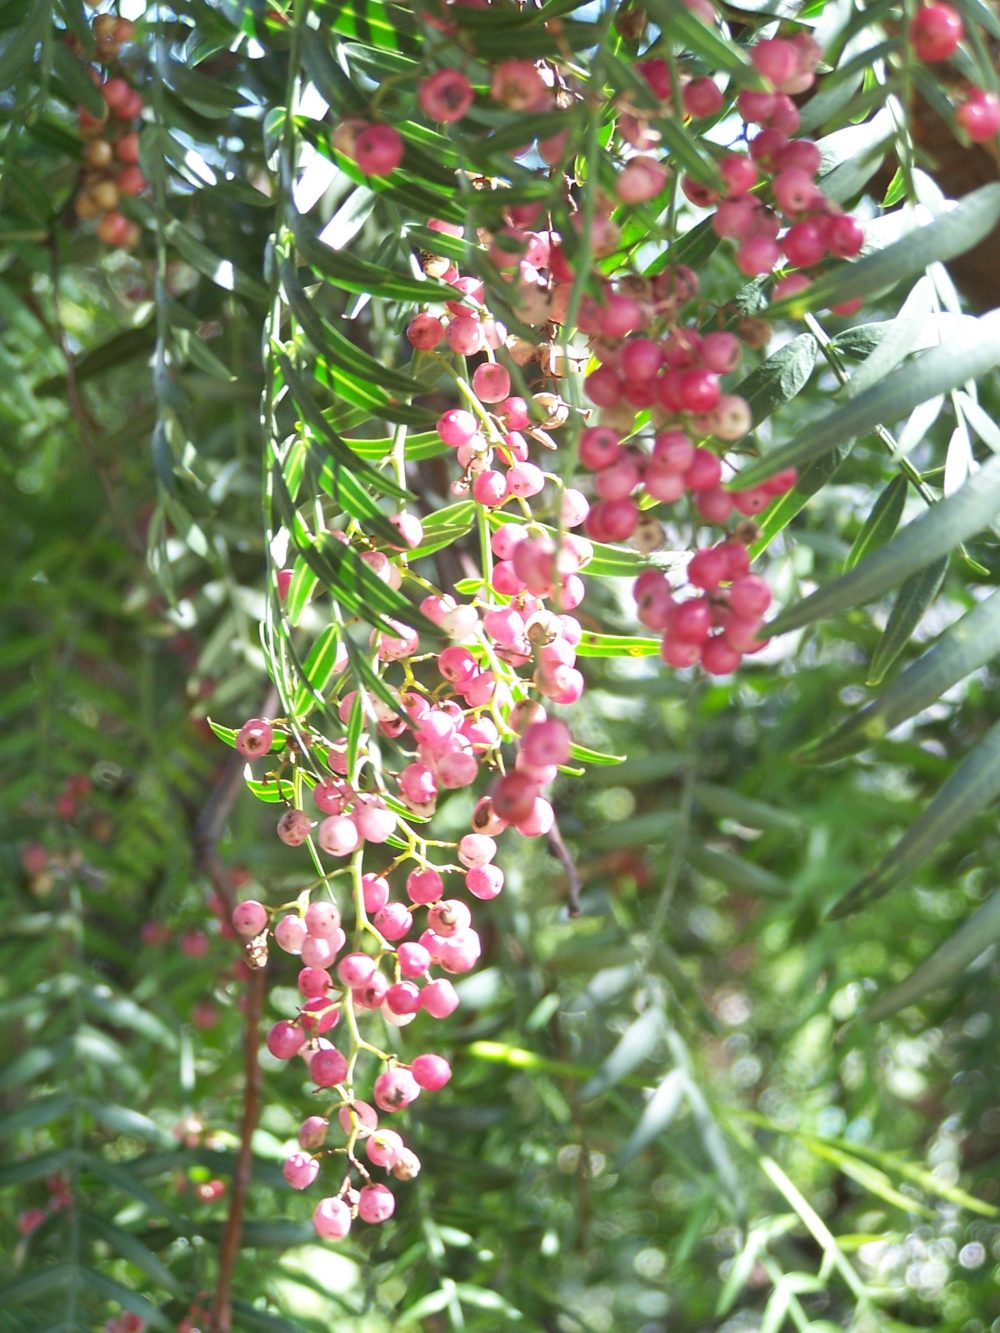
(973, 785)
(45, 1281)
(130, 1247)
(110, 1290)
(973, 937)
(780, 378)
(593, 644)
(901, 337)
(737, 874)
(967, 223)
(318, 669)
(881, 523)
(966, 356)
(725, 803)
(223, 272)
(966, 646)
(657, 1114)
(584, 755)
(636, 1044)
(912, 600)
(37, 1112)
(357, 275)
(271, 791)
(927, 539)
(809, 481)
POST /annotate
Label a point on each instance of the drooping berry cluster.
(111, 141)
(655, 442)
(936, 33)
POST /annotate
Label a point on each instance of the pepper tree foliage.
(744, 1082)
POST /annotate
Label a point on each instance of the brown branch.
(562, 854)
(207, 834)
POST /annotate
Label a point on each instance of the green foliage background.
(670, 1112)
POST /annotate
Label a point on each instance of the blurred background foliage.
(669, 1111)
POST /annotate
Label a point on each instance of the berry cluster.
(935, 34)
(111, 141)
(655, 441)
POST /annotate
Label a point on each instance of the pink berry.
(979, 116)
(357, 1115)
(432, 1072)
(395, 1088)
(718, 658)
(254, 738)
(285, 1040)
(338, 835)
(327, 1068)
(424, 886)
(701, 97)
(393, 921)
(249, 918)
(425, 332)
(300, 1170)
(484, 882)
(314, 982)
(749, 596)
(290, 933)
(384, 1147)
(375, 890)
(322, 919)
(294, 827)
(378, 150)
(446, 96)
(491, 382)
(936, 32)
(312, 1132)
(376, 1203)
(332, 1219)
(355, 969)
(414, 959)
(439, 998)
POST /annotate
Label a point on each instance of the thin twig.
(207, 834)
(562, 854)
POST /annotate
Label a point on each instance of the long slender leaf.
(966, 356)
(973, 785)
(912, 600)
(927, 539)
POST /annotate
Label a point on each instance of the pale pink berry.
(376, 1203)
(312, 1132)
(446, 96)
(718, 658)
(254, 738)
(403, 997)
(327, 1068)
(330, 796)
(322, 919)
(425, 332)
(525, 480)
(424, 886)
(701, 97)
(332, 1219)
(285, 1040)
(383, 1148)
(936, 32)
(314, 982)
(641, 178)
(476, 849)
(395, 1088)
(290, 934)
(355, 969)
(320, 951)
(414, 959)
(393, 921)
(357, 1115)
(374, 820)
(491, 382)
(249, 918)
(539, 820)
(518, 85)
(294, 827)
(749, 596)
(378, 150)
(449, 917)
(319, 1015)
(432, 1072)
(375, 889)
(546, 743)
(338, 835)
(439, 998)
(979, 115)
(300, 1170)
(484, 882)
(456, 427)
